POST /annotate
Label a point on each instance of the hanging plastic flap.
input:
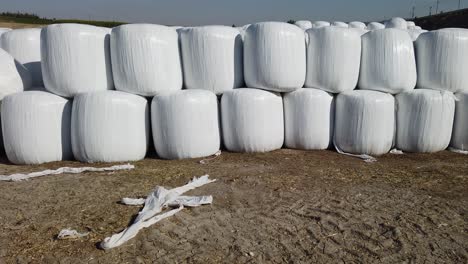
(252, 120)
(25, 46)
(274, 56)
(64, 170)
(357, 24)
(339, 24)
(364, 122)
(304, 24)
(185, 124)
(443, 60)
(424, 120)
(308, 119)
(156, 201)
(397, 22)
(14, 77)
(212, 58)
(460, 126)
(36, 127)
(75, 59)
(388, 63)
(110, 126)
(333, 59)
(146, 59)
(375, 26)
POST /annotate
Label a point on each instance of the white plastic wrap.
(387, 63)
(146, 59)
(460, 125)
(339, 24)
(274, 56)
(75, 59)
(252, 120)
(25, 46)
(360, 31)
(333, 59)
(308, 119)
(424, 120)
(319, 24)
(14, 77)
(36, 127)
(212, 58)
(304, 24)
(375, 26)
(364, 122)
(443, 60)
(109, 126)
(357, 24)
(185, 124)
(410, 24)
(3, 30)
(397, 22)
(414, 33)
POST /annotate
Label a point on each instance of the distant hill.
(25, 18)
(458, 18)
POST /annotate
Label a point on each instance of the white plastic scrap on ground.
(21, 177)
(365, 157)
(214, 156)
(70, 234)
(156, 201)
(458, 151)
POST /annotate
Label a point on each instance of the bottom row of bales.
(112, 126)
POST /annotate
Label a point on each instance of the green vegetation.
(27, 18)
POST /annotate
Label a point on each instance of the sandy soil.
(285, 206)
(11, 25)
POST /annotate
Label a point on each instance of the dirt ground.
(285, 206)
(11, 25)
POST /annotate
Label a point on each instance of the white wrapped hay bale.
(252, 120)
(308, 119)
(319, 24)
(274, 56)
(460, 125)
(146, 59)
(14, 77)
(424, 120)
(333, 59)
(375, 26)
(364, 122)
(109, 126)
(25, 46)
(410, 24)
(397, 22)
(185, 124)
(3, 30)
(443, 60)
(357, 24)
(414, 33)
(75, 59)
(36, 127)
(212, 58)
(303, 24)
(339, 24)
(387, 63)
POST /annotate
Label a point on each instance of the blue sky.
(228, 12)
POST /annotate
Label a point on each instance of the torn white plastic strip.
(458, 151)
(156, 201)
(365, 157)
(204, 161)
(21, 177)
(187, 201)
(70, 234)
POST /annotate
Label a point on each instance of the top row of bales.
(395, 22)
(144, 59)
